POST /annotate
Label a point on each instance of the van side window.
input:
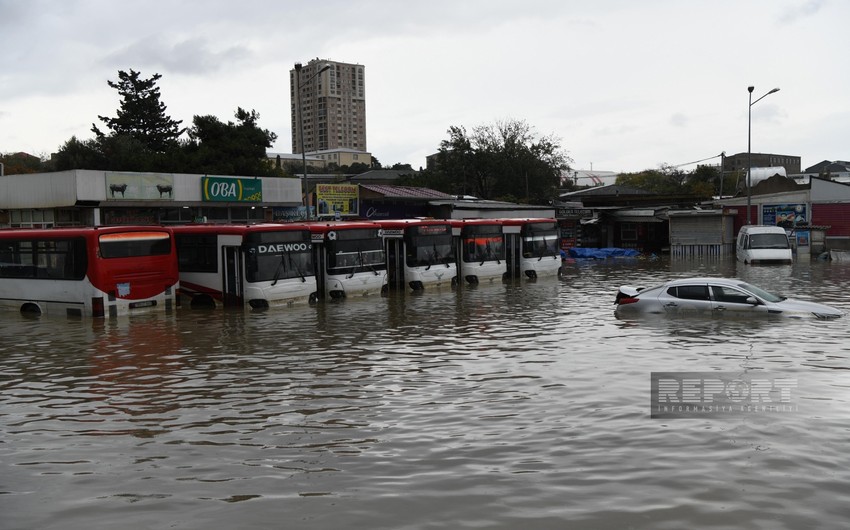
(689, 292)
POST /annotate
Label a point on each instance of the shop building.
(95, 198)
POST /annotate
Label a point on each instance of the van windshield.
(779, 241)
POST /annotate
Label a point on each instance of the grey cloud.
(800, 10)
(679, 120)
(191, 56)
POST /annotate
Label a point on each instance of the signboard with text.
(226, 189)
(342, 199)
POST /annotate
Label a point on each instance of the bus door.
(231, 290)
(513, 254)
(394, 249)
(320, 266)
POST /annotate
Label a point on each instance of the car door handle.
(671, 304)
(720, 308)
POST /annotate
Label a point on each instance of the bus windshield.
(483, 248)
(424, 251)
(134, 244)
(348, 256)
(540, 244)
(274, 256)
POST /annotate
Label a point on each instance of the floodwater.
(501, 406)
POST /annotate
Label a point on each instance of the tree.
(669, 180)
(505, 160)
(229, 148)
(22, 163)
(141, 114)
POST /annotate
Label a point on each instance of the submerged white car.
(714, 297)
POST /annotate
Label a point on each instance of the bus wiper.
(297, 268)
(490, 255)
(280, 267)
(432, 258)
(354, 268)
(371, 267)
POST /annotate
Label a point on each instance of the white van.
(763, 244)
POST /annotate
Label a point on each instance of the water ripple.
(498, 406)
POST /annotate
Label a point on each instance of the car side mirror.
(752, 300)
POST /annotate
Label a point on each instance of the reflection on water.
(496, 406)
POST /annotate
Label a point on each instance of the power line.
(698, 161)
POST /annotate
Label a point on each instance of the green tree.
(141, 114)
(669, 180)
(239, 148)
(22, 163)
(79, 154)
(506, 160)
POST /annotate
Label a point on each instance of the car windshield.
(768, 241)
(761, 293)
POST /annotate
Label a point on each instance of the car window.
(729, 295)
(689, 292)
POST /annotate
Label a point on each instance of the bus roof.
(471, 222)
(525, 221)
(76, 231)
(404, 223)
(320, 227)
(237, 229)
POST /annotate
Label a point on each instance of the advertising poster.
(222, 189)
(139, 186)
(332, 199)
(784, 215)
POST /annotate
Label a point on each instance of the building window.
(628, 231)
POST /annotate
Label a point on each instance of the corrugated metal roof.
(405, 192)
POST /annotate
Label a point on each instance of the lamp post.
(299, 109)
(750, 149)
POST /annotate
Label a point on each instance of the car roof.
(716, 281)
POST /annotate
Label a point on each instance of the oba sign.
(220, 189)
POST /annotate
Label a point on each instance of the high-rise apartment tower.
(332, 104)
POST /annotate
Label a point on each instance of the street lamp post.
(299, 109)
(750, 149)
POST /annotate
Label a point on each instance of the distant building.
(838, 171)
(342, 157)
(741, 162)
(294, 163)
(332, 105)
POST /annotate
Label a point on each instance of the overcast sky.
(624, 85)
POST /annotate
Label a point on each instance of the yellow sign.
(337, 198)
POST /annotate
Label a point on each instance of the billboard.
(226, 189)
(333, 199)
(139, 186)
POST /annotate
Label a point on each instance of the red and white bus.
(350, 258)
(420, 253)
(480, 249)
(88, 271)
(259, 265)
(532, 247)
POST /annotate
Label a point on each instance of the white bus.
(480, 250)
(258, 266)
(349, 258)
(420, 253)
(532, 247)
